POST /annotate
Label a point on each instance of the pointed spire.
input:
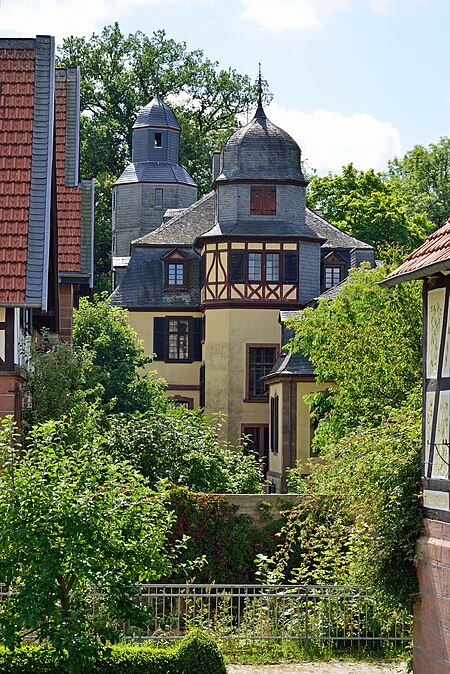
(259, 88)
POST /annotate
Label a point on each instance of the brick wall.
(432, 613)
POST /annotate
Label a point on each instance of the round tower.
(153, 182)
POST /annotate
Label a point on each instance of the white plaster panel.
(434, 329)
(441, 453)
(429, 408)
(435, 499)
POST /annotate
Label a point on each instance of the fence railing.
(345, 615)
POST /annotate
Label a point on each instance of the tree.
(365, 205)
(117, 356)
(182, 446)
(74, 520)
(422, 180)
(367, 342)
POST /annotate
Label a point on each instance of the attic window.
(158, 139)
(263, 200)
(158, 197)
(175, 274)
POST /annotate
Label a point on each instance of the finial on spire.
(259, 88)
(157, 81)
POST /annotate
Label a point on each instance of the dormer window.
(333, 270)
(263, 200)
(175, 270)
(158, 139)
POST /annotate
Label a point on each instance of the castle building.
(205, 289)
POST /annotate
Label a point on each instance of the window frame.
(175, 258)
(188, 333)
(263, 200)
(159, 198)
(249, 388)
(157, 139)
(274, 423)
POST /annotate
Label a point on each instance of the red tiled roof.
(68, 198)
(17, 68)
(430, 258)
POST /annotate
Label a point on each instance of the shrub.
(197, 654)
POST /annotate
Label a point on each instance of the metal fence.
(347, 615)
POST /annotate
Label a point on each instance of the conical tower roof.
(261, 151)
(156, 114)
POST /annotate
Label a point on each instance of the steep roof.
(75, 207)
(143, 282)
(185, 227)
(291, 364)
(26, 147)
(261, 151)
(156, 114)
(432, 257)
(335, 238)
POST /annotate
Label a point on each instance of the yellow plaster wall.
(174, 373)
(228, 331)
(275, 460)
(304, 421)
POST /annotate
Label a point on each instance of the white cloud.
(282, 14)
(330, 140)
(60, 18)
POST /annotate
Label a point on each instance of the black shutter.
(159, 338)
(196, 339)
(290, 267)
(237, 266)
(202, 385)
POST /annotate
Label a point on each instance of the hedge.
(197, 654)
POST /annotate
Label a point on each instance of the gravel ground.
(331, 667)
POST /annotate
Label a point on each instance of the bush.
(229, 541)
(197, 654)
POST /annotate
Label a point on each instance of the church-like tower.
(153, 182)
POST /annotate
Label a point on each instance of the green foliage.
(422, 181)
(228, 541)
(364, 526)
(182, 446)
(59, 379)
(73, 518)
(117, 354)
(367, 344)
(366, 205)
(362, 520)
(199, 654)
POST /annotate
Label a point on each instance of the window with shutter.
(263, 200)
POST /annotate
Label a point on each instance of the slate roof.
(432, 257)
(155, 172)
(26, 147)
(291, 364)
(184, 228)
(335, 238)
(261, 151)
(156, 114)
(143, 282)
(68, 192)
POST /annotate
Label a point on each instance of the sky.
(357, 81)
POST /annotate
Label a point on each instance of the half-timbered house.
(431, 263)
(204, 290)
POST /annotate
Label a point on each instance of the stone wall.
(432, 613)
(260, 506)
